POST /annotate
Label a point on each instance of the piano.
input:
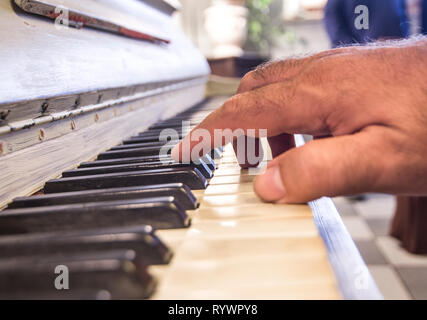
(90, 210)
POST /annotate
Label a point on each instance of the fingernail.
(272, 163)
(269, 186)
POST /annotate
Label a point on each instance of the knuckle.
(268, 70)
(292, 63)
(248, 82)
(248, 77)
(319, 72)
(231, 107)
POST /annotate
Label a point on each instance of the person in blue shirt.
(424, 17)
(387, 20)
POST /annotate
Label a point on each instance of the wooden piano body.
(68, 83)
(68, 94)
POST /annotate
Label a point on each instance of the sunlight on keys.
(228, 224)
(278, 245)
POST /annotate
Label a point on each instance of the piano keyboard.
(241, 248)
(129, 226)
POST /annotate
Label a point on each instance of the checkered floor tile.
(398, 274)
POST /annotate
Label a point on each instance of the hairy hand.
(368, 103)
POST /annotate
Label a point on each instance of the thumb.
(328, 167)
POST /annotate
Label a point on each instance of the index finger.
(277, 71)
(278, 108)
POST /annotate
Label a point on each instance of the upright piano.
(90, 210)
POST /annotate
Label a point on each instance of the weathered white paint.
(37, 60)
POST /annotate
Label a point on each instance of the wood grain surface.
(25, 171)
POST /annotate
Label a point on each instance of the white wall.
(191, 19)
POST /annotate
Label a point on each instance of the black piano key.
(202, 167)
(158, 144)
(160, 213)
(158, 132)
(148, 247)
(154, 132)
(209, 161)
(134, 152)
(151, 138)
(177, 127)
(146, 139)
(150, 148)
(179, 191)
(176, 123)
(108, 162)
(188, 176)
(113, 272)
(216, 153)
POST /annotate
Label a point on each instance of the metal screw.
(96, 117)
(45, 105)
(73, 125)
(4, 114)
(77, 102)
(41, 135)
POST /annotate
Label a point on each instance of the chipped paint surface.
(72, 111)
(79, 20)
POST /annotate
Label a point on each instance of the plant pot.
(227, 28)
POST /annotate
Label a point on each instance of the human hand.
(368, 103)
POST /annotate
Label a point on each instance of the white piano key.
(239, 275)
(253, 211)
(224, 249)
(233, 179)
(323, 291)
(239, 247)
(229, 189)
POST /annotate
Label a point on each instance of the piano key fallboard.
(130, 225)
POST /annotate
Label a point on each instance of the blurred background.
(274, 29)
(264, 29)
(238, 35)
